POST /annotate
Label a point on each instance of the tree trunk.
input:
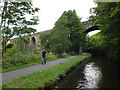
(3, 21)
(80, 50)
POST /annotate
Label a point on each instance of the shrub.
(19, 60)
(37, 51)
(9, 45)
(12, 50)
(73, 53)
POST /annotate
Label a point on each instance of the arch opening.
(33, 41)
(92, 29)
(93, 32)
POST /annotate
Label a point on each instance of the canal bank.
(45, 77)
(67, 72)
(97, 72)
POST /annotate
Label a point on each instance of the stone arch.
(33, 41)
(93, 28)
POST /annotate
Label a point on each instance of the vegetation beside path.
(19, 61)
(50, 75)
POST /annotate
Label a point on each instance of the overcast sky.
(51, 10)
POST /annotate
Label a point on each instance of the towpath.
(11, 75)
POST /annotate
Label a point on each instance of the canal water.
(96, 72)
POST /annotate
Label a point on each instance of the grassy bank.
(38, 79)
(19, 61)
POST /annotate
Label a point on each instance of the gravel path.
(11, 75)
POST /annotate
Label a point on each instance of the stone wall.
(33, 42)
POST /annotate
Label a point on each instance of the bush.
(9, 45)
(12, 50)
(19, 59)
(37, 51)
(72, 53)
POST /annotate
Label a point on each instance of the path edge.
(60, 76)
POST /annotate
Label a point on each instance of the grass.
(52, 57)
(38, 79)
(49, 57)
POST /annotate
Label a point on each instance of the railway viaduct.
(34, 38)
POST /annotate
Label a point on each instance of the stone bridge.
(89, 26)
(34, 40)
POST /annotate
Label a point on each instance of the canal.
(97, 72)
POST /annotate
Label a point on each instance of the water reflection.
(92, 76)
(96, 72)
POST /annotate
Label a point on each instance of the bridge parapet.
(87, 24)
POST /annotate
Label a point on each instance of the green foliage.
(73, 53)
(76, 30)
(18, 59)
(9, 45)
(66, 36)
(59, 37)
(59, 42)
(45, 40)
(22, 43)
(13, 50)
(25, 39)
(13, 20)
(0, 47)
(106, 15)
(37, 51)
(96, 43)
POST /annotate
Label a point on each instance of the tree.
(76, 29)
(56, 40)
(96, 43)
(66, 36)
(59, 37)
(13, 20)
(106, 14)
(45, 40)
